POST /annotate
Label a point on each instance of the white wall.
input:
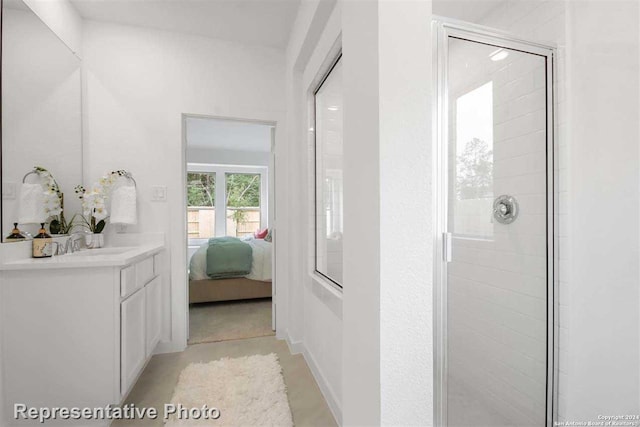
(603, 242)
(316, 307)
(138, 83)
(63, 19)
(345, 346)
(361, 339)
(406, 211)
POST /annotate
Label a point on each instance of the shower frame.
(442, 29)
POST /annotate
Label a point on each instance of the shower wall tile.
(518, 146)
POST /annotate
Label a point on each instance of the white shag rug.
(248, 391)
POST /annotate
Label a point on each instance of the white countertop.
(87, 258)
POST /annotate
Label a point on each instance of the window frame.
(221, 172)
(191, 240)
(324, 78)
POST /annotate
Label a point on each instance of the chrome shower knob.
(505, 209)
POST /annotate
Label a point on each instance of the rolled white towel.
(31, 204)
(123, 205)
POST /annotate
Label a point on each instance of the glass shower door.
(497, 223)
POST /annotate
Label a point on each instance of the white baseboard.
(298, 347)
(169, 347)
(325, 388)
(295, 347)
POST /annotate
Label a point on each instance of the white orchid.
(94, 201)
(52, 193)
(52, 203)
(93, 205)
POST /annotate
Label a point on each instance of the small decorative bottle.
(42, 244)
(15, 235)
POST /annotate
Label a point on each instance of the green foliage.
(238, 216)
(92, 225)
(201, 189)
(99, 226)
(55, 227)
(58, 223)
(475, 171)
(243, 190)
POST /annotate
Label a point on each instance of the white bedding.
(260, 264)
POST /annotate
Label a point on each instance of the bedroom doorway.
(229, 212)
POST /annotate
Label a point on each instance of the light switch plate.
(158, 193)
(9, 190)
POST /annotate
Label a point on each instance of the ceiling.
(466, 10)
(257, 22)
(228, 135)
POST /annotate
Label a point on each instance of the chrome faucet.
(71, 245)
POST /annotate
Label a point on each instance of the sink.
(102, 251)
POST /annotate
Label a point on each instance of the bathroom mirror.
(41, 110)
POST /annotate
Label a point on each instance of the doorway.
(495, 301)
(229, 170)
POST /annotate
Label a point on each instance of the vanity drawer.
(128, 281)
(144, 272)
(136, 276)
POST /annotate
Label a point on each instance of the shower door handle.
(447, 247)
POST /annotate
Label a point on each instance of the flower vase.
(94, 241)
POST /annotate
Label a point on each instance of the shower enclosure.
(495, 296)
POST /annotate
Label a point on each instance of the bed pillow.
(261, 234)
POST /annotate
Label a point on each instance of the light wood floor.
(229, 320)
(156, 384)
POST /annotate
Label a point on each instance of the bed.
(256, 284)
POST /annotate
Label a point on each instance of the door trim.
(442, 29)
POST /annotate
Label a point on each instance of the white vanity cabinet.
(140, 319)
(153, 305)
(133, 344)
(78, 332)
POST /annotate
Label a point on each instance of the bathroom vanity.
(78, 329)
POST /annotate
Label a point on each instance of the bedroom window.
(328, 175)
(243, 203)
(226, 200)
(201, 204)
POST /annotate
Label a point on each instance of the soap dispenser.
(16, 235)
(42, 244)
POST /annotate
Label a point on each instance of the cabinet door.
(154, 321)
(133, 351)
